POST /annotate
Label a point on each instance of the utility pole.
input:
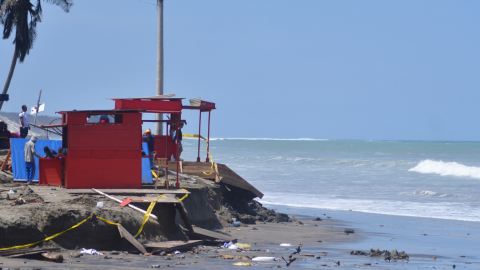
(159, 116)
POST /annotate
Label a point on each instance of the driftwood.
(58, 258)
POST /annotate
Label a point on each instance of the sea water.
(420, 197)
(405, 178)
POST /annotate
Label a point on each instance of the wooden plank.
(21, 253)
(211, 235)
(202, 175)
(232, 178)
(160, 200)
(142, 191)
(125, 234)
(174, 245)
(217, 175)
(197, 168)
(6, 159)
(183, 214)
(193, 163)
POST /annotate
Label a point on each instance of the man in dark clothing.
(49, 153)
(180, 135)
(150, 140)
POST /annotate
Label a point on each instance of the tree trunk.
(10, 74)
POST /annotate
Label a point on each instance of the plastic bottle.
(99, 204)
(236, 224)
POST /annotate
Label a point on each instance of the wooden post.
(6, 159)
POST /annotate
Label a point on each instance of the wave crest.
(446, 169)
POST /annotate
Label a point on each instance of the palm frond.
(64, 4)
(6, 4)
(36, 13)
(8, 21)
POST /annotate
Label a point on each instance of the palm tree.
(14, 14)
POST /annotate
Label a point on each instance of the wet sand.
(264, 238)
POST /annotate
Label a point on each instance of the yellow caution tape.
(200, 136)
(194, 136)
(109, 222)
(48, 238)
(147, 214)
(186, 195)
(78, 224)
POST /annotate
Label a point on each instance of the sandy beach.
(324, 244)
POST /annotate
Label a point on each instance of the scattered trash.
(244, 264)
(53, 257)
(11, 191)
(176, 252)
(244, 245)
(236, 224)
(239, 229)
(100, 204)
(285, 245)
(90, 252)
(265, 259)
(348, 231)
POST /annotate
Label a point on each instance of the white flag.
(40, 109)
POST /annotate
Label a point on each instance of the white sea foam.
(442, 210)
(446, 168)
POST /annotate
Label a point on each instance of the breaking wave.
(446, 168)
(431, 193)
(333, 161)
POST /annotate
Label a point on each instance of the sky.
(367, 70)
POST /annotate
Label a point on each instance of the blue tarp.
(146, 171)
(18, 156)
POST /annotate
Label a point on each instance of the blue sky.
(381, 70)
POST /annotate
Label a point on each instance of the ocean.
(404, 178)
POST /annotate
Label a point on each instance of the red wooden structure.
(108, 153)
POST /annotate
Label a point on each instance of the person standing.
(30, 152)
(180, 135)
(150, 140)
(24, 123)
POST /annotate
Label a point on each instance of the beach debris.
(76, 255)
(114, 252)
(244, 245)
(90, 251)
(349, 231)
(298, 249)
(18, 201)
(307, 255)
(384, 253)
(58, 258)
(318, 257)
(278, 266)
(265, 259)
(244, 264)
(236, 224)
(357, 252)
(285, 245)
(317, 219)
(226, 257)
(434, 258)
(99, 204)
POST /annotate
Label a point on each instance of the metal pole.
(199, 129)
(208, 145)
(177, 185)
(159, 116)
